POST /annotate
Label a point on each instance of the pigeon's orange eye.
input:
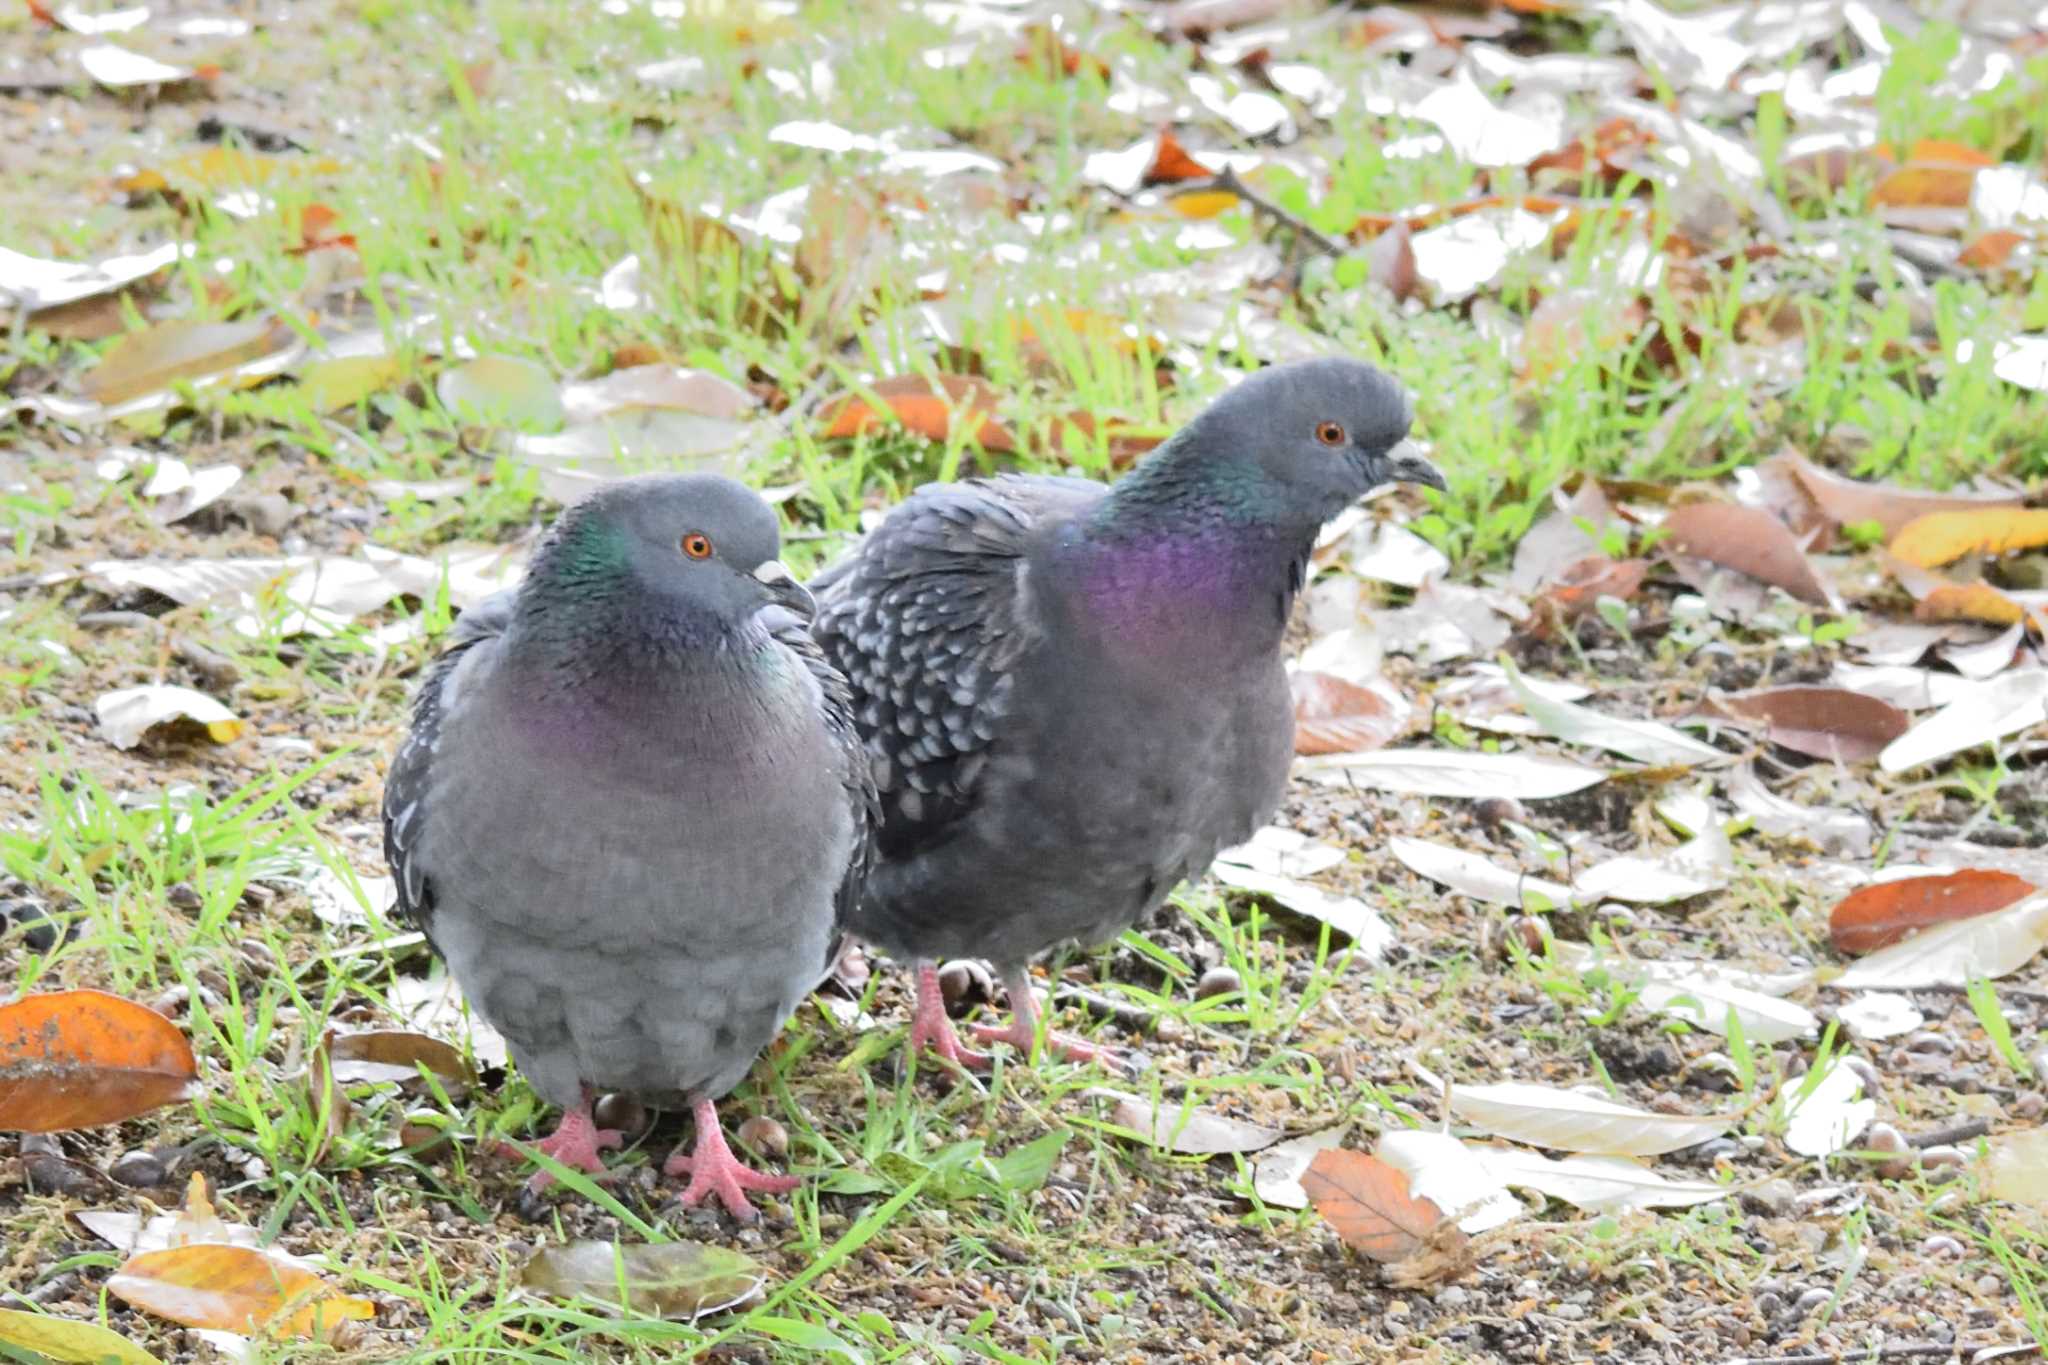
(1330, 434)
(697, 545)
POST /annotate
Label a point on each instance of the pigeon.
(633, 813)
(1072, 695)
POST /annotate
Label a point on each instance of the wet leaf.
(930, 409)
(1951, 954)
(394, 1055)
(67, 1339)
(236, 1289)
(1824, 722)
(77, 1059)
(127, 714)
(667, 1279)
(1190, 1129)
(1332, 716)
(1989, 712)
(1881, 914)
(172, 352)
(502, 391)
(1368, 1204)
(1453, 772)
(1748, 540)
(1939, 537)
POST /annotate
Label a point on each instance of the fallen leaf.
(78, 1059)
(50, 1338)
(1968, 602)
(502, 391)
(228, 168)
(1926, 184)
(1694, 868)
(1990, 250)
(1877, 1015)
(1347, 916)
(1471, 875)
(185, 490)
(1989, 712)
(1276, 1175)
(1388, 553)
(929, 409)
(125, 715)
(1565, 1120)
(1612, 1185)
(236, 1289)
(1569, 324)
(1279, 851)
(1848, 502)
(33, 284)
(1824, 1115)
(1453, 772)
(668, 1279)
(1334, 716)
(2014, 1167)
(656, 386)
(1390, 262)
(394, 1055)
(1368, 1204)
(1646, 741)
(1954, 953)
(1749, 541)
(1882, 914)
(1190, 1129)
(113, 65)
(1171, 162)
(168, 353)
(1450, 1175)
(1823, 722)
(1939, 537)
(1703, 996)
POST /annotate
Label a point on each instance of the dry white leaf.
(1989, 712)
(1452, 772)
(1646, 741)
(1879, 1014)
(1702, 864)
(1843, 833)
(1276, 1175)
(334, 901)
(34, 283)
(113, 65)
(185, 490)
(1703, 993)
(1827, 1117)
(1451, 1175)
(1394, 554)
(126, 714)
(1951, 954)
(1188, 1128)
(1282, 852)
(2014, 1168)
(1370, 935)
(1565, 1120)
(1474, 876)
(1598, 1184)
(433, 1005)
(1906, 686)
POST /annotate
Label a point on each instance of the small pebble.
(1770, 1303)
(622, 1112)
(1714, 1149)
(183, 896)
(2038, 1060)
(267, 514)
(964, 982)
(1494, 811)
(1864, 1072)
(1943, 1247)
(1930, 1042)
(1453, 1297)
(1570, 1312)
(1943, 1155)
(1990, 1286)
(138, 1170)
(2030, 1104)
(1218, 981)
(39, 932)
(1882, 1137)
(1810, 1300)
(1530, 931)
(1773, 1198)
(765, 1135)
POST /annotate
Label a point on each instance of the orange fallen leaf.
(1926, 184)
(1202, 203)
(1941, 537)
(236, 1289)
(1573, 590)
(1171, 162)
(1368, 1204)
(1878, 916)
(929, 409)
(1746, 540)
(76, 1059)
(1990, 250)
(1948, 153)
(1334, 716)
(1968, 602)
(1123, 441)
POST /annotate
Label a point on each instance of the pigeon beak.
(783, 589)
(1404, 462)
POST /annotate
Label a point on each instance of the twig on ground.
(1955, 1132)
(1907, 1351)
(1229, 180)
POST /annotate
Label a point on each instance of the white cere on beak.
(774, 571)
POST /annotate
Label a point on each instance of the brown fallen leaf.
(236, 1289)
(1940, 537)
(160, 356)
(1574, 590)
(1878, 916)
(1926, 184)
(1749, 541)
(1171, 163)
(1569, 323)
(1990, 250)
(394, 1055)
(1333, 716)
(668, 1279)
(929, 409)
(1824, 722)
(1368, 1204)
(76, 1059)
(1850, 501)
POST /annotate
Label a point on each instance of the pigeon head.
(1299, 442)
(693, 553)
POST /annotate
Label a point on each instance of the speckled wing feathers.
(927, 618)
(405, 788)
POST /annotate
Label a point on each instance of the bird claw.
(713, 1169)
(575, 1143)
(934, 1034)
(1023, 1035)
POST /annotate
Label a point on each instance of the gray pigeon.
(1073, 695)
(633, 813)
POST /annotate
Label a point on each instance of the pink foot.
(575, 1143)
(931, 1031)
(1022, 1030)
(713, 1169)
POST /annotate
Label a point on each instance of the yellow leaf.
(1203, 203)
(67, 1339)
(344, 381)
(232, 168)
(1941, 537)
(235, 1289)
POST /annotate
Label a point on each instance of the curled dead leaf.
(1877, 916)
(1368, 1204)
(1333, 716)
(1749, 541)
